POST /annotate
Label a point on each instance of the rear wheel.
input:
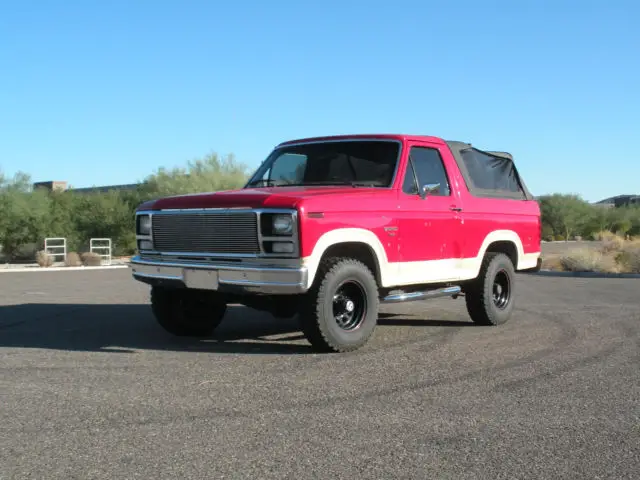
(340, 312)
(191, 313)
(490, 297)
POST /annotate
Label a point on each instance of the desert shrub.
(604, 235)
(73, 260)
(588, 260)
(91, 259)
(552, 262)
(629, 258)
(43, 258)
(611, 242)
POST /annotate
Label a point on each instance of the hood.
(267, 197)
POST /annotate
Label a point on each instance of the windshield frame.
(266, 164)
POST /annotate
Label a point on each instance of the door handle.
(455, 209)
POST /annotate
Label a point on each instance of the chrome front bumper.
(224, 278)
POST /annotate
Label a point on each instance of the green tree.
(620, 220)
(209, 174)
(596, 221)
(104, 215)
(25, 217)
(21, 182)
(61, 221)
(565, 214)
(635, 222)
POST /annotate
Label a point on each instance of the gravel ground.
(90, 387)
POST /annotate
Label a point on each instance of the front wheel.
(187, 313)
(340, 313)
(490, 297)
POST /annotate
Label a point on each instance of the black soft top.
(496, 178)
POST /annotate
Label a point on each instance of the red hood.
(273, 197)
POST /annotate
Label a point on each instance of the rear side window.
(491, 173)
(426, 167)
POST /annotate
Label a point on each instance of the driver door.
(429, 219)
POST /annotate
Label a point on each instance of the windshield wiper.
(353, 183)
(334, 182)
(264, 181)
(364, 184)
(272, 183)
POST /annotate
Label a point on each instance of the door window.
(425, 168)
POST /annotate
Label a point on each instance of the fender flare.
(346, 235)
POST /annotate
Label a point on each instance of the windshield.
(362, 162)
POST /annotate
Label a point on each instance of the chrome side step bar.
(427, 294)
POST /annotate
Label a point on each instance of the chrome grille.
(206, 232)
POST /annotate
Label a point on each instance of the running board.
(427, 294)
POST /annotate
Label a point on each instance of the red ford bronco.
(329, 227)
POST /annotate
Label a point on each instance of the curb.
(554, 273)
(60, 269)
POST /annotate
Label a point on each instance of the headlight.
(282, 224)
(144, 225)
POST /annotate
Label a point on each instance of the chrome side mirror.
(429, 189)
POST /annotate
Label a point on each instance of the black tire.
(328, 320)
(490, 298)
(187, 313)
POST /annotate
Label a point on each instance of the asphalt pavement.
(90, 387)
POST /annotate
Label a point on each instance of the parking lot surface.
(90, 387)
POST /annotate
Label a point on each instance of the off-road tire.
(484, 305)
(349, 279)
(187, 313)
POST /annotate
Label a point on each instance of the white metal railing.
(56, 244)
(95, 247)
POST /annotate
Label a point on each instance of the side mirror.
(429, 189)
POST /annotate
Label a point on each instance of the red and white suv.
(329, 227)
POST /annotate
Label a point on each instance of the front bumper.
(222, 277)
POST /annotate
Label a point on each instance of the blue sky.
(100, 93)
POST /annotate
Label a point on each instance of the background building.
(63, 186)
(51, 185)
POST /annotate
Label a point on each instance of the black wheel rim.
(349, 305)
(501, 289)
